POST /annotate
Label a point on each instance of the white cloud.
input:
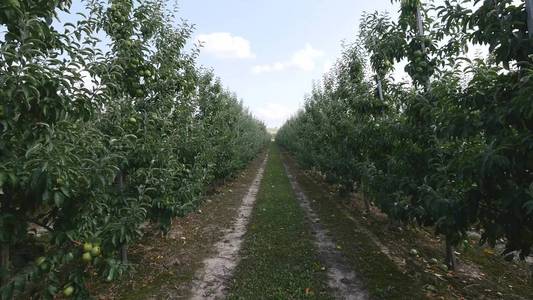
(278, 66)
(274, 114)
(226, 45)
(269, 68)
(328, 64)
(304, 59)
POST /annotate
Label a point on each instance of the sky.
(270, 52)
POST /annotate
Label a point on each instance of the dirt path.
(277, 232)
(211, 281)
(279, 259)
(341, 278)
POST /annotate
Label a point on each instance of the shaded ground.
(164, 267)
(406, 263)
(279, 258)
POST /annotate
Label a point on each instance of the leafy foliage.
(454, 155)
(97, 141)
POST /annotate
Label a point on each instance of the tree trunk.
(124, 253)
(529, 9)
(530, 269)
(451, 261)
(420, 25)
(4, 260)
(380, 88)
(367, 204)
(395, 225)
(364, 196)
(120, 182)
(124, 247)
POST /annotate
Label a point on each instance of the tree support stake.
(529, 9)
(380, 88)
(420, 25)
(451, 261)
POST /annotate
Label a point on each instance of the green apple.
(68, 291)
(45, 267)
(40, 260)
(95, 251)
(87, 247)
(86, 257)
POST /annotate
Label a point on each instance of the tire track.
(211, 281)
(342, 280)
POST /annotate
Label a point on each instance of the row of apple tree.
(454, 148)
(106, 122)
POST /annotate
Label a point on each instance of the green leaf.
(32, 150)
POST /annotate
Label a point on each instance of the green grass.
(381, 276)
(279, 260)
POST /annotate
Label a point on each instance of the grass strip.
(279, 258)
(381, 276)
